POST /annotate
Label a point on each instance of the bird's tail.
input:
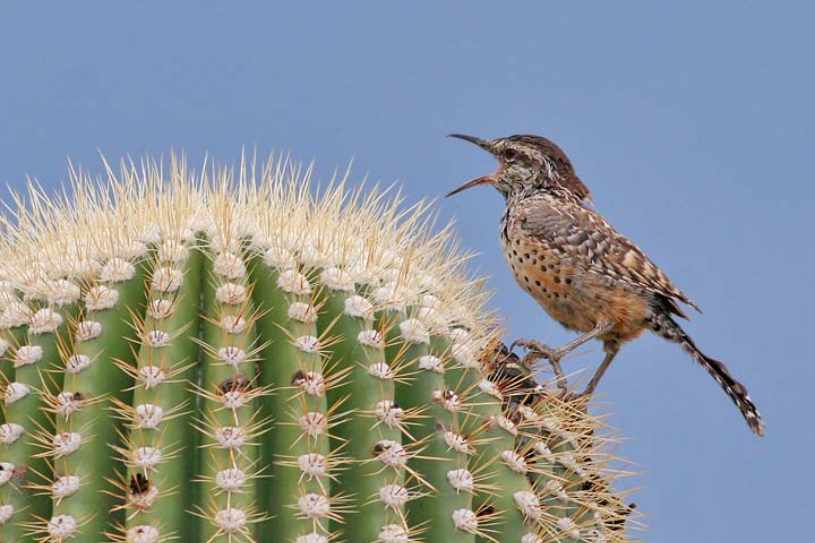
(666, 327)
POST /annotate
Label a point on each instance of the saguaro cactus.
(235, 355)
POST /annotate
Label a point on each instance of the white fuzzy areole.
(514, 461)
(393, 533)
(16, 391)
(231, 520)
(65, 486)
(359, 307)
(26, 355)
(314, 506)
(394, 496)
(173, 251)
(67, 403)
(302, 312)
(229, 266)
(65, 443)
(505, 424)
(143, 533)
(529, 504)
(391, 453)
(62, 527)
(231, 294)
(77, 363)
(414, 331)
(233, 324)
(307, 344)
(6, 472)
(160, 308)
(230, 479)
(6, 512)
(371, 338)
(458, 442)
(62, 292)
(14, 314)
(337, 279)
(380, 370)
(432, 363)
(10, 432)
(157, 338)
(167, 279)
(232, 355)
(88, 330)
(279, 258)
(294, 282)
(45, 321)
(151, 376)
(230, 437)
(148, 416)
(117, 270)
(101, 297)
(313, 423)
(313, 465)
(488, 387)
(465, 520)
(461, 479)
(389, 413)
(147, 457)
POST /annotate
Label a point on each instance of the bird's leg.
(537, 350)
(611, 348)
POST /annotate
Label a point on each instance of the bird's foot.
(536, 350)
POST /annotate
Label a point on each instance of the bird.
(584, 273)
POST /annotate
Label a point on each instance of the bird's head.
(526, 163)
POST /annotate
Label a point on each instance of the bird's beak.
(484, 144)
(484, 179)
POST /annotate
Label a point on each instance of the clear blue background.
(691, 121)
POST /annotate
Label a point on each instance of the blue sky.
(692, 122)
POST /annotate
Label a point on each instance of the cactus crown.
(233, 355)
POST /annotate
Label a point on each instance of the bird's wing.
(581, 233)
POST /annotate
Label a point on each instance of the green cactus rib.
(26, 406)
(508, 503)
(231, 422)
(165, 366)
(370, 435)
(515, 503)
(85, 429)
(292, 365)
(11, 335)
(443, 510)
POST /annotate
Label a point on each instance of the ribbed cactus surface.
(234, 355)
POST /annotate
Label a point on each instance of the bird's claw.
(536, 350)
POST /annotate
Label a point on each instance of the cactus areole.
(236, 355)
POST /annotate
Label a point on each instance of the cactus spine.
(237, 357)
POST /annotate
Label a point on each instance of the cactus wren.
(584, 273)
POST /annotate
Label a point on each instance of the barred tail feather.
(667, 328)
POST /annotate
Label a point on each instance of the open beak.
(484, 179)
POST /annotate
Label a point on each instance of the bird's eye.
(510, 153)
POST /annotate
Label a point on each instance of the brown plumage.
(584, 273)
